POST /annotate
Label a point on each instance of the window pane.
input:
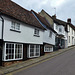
(37, 54)
(31, 54)
(31, 46)
(36, 32)
(37, 46)
(9, 52)
(34, 50)
(13, 25)
(48, 49)
(18, 51)
(31, 50)
(17, 26)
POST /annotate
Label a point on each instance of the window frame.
(49, 49)
(15, 26)
(34, 52)
(36, 32)
(13, 53)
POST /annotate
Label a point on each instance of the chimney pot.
(69, 20)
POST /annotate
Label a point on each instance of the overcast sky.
(64, 8)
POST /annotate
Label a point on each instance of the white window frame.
(34, 52)
(36, 32)
(50, 49)
(15, 26)
(14, 53)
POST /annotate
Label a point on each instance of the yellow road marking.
(31, 65)
(9, 74)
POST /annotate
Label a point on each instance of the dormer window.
(36, 32)
(15, 26)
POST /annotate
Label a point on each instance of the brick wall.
(4, 64)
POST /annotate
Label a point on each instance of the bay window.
(48, 49)
(13, 51)
(33, 51)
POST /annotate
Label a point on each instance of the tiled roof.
(59, 22)
(71, 25)
(47, 13)
(44, 21)
(7, 7)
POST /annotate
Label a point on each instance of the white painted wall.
(55, 27)
(71, 35)
(57, 30)
(26, 35)
(62, 28)
(47, 39)
(62, 33)
(66, 39)
(0, 28)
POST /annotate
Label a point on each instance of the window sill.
(13, 59)
(37, 35)
(15, 30)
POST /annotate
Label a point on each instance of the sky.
(63, 9)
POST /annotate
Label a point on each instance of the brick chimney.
(54, 16)
(69, 20)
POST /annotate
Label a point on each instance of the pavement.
(15, 67)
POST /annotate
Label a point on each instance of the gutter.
(2, 26)
(39, 20)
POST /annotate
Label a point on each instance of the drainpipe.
(2, 37)
(2, 26)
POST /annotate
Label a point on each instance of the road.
(63, 64)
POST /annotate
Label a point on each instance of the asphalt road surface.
(63, 64)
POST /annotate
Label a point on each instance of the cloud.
(57, 3)
(64, 8)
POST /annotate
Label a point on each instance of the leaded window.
(15, 26)
(13, 51)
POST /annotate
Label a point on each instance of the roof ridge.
(15, 11)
